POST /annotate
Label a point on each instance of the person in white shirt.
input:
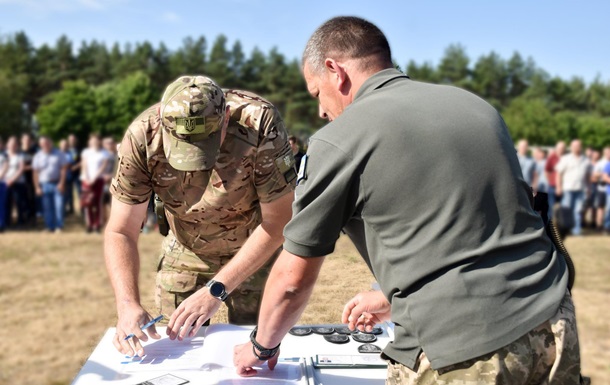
(15, 182)
(573, 172)
(94, 162)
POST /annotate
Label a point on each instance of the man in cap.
(221, 164)
(476, 290)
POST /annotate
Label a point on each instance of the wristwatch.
(217, 289)
(264, 353)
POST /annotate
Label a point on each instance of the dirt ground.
(56, 301)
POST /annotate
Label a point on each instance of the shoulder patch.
(302, 175)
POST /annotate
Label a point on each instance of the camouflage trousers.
(181, 273)
(548, 354)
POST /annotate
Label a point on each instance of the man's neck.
(357, 76)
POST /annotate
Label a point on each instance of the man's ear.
(337, 75)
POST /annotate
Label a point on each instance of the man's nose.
(321, 112)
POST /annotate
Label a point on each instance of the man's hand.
(366, 310)
(131, 319)
(60, 188)
(245, 360)
(193, 311)
(38, 191)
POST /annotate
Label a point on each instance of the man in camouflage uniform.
(221, 163)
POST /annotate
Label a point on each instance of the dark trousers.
(3, 195)
(17, 198)
(93, 211)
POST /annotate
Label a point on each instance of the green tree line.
(60, 89)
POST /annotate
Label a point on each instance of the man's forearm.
(260, 246)
(287, 292)
(123, 265)
(255, 252)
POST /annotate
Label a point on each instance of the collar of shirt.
(378, 80)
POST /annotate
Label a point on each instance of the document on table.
(167, 355)
(218, 351)
(213, 353)
(285, 373)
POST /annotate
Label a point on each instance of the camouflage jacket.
(211, 212)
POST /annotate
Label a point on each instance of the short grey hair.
(347, 37)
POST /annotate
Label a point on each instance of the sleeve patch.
(285, 164)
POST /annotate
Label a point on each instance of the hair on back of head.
(347, 37)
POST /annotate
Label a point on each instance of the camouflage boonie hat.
(192, 113)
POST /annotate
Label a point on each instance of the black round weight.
(337, 338)
(300, 331)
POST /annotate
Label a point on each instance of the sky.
(565, 38)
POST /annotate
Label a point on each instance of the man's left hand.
(366, 310)
(193, 311)
(245, 360)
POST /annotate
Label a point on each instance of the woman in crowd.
(15, 182)
(94, 162)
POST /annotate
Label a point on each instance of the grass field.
(56, 301)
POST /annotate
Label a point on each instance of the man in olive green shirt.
(425, 181)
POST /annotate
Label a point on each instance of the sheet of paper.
(285, 373)
(218, 355)
(167, 355)
(219, 342)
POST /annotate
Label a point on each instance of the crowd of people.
(41, 182)
(577, 181)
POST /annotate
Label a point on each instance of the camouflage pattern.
(181, 273)
(210, 213)
(548, 354)
(192, 112)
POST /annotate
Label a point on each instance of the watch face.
(217, 289)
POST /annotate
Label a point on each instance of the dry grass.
(56, 301)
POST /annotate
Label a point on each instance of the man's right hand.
(131, 319)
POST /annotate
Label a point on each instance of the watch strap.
(264, 353)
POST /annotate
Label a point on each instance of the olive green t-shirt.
(425, 181)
